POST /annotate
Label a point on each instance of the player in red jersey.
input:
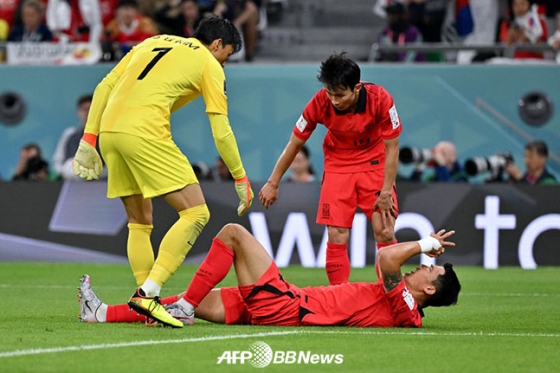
(361, 153)
(264, 297)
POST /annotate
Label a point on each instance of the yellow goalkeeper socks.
(178, 242)
(140, 252)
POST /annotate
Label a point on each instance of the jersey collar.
(360, 108)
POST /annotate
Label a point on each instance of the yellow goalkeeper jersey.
(157, 77)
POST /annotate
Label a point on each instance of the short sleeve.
(388, 117)
(307, 122)
(404, 308)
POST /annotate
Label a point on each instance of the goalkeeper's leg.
(177, 243)
(140, 252)
(174, 247)
(139, 246)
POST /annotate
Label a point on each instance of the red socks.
(382, 245)
(338, 263)
(123, 313)
(210, 273)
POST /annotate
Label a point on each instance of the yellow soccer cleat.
(151, 308)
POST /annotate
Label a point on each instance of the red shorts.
(342, 194)
(235, 309)
(271, 301)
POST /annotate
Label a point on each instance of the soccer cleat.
(151, 308)
(179, 313)
(151, 322)
(89, 301)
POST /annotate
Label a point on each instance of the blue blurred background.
(475, 106)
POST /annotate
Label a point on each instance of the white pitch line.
(40, 351)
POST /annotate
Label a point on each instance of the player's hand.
(268, 194)
(439, 247)
(87, 162)
(245, 193)
(384, 205)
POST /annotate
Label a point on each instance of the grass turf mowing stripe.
(463, 293)
(268, 334)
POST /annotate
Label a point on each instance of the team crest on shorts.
(326, 211)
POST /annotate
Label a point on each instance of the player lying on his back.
(263, 297)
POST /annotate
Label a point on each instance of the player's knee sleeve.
(178, 241)
(199, 215)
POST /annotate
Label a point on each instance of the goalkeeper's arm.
(87, 162)
(227, 147)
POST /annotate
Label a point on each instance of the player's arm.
(384, 201)
(391, 258)
(87, 163)
(101, 96)
(226, 144)
(391, 164)
(227, 148)
(269, 192)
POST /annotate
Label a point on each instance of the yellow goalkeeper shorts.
(141, 166)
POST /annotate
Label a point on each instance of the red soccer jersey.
(354, 140)
(359, 304)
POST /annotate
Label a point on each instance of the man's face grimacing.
(344, 98)
(423, 277)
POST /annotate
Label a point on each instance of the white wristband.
(427, 244)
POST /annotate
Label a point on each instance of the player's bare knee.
(384, 236)
(338, 234)
(230, 234)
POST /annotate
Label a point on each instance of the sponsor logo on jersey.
(394, 117)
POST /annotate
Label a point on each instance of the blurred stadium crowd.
(462, 31)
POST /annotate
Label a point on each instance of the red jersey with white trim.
(354, 140)
(359, 304)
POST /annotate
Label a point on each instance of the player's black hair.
(339, 71)
(215, 27)
(539, 147)
(447, 289)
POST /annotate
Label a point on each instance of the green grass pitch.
(507, 320)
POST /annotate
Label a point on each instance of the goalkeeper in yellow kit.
(130, 114)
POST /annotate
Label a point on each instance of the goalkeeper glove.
(87, 162)
(245, 193)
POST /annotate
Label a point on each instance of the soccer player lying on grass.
(263, 297)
